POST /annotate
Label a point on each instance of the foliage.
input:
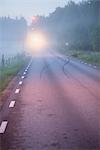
(76, 23)
(91, 57)
(9, 71)
(12, 29)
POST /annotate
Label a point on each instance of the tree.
(95, 39)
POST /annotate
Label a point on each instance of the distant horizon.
(16, 8)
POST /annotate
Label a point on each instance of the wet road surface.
(58, 107)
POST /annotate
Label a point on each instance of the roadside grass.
(89, 57)
(7, 73)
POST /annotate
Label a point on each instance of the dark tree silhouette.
(77, 24)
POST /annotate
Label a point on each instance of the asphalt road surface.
(57, 108)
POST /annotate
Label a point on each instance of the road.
(58, 107)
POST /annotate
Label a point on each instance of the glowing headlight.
(36, 41)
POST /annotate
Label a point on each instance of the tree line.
(77, 24)
(12, 29)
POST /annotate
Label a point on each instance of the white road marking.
(95, 66)
(12, 104)
(24, 73)
(28, 66)
(3, 126)
(20, 83)
(90, 65)
(17, 91)
(22, 77)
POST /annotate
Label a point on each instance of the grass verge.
(89, 57)
(7, 73)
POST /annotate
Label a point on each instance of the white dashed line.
(95, 67)
(3, 126)
(12, 104)
(22, 77)
(90, 65)
(20, 83)
(17, 91)
(24, 73)
(28, 66)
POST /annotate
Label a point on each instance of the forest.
(13, 32)
(12, 29)
(76, 25)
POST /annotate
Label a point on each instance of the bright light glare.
(34, 19)
(36, 41)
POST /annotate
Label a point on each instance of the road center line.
(12, 104)
(3, 126)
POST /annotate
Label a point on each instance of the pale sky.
(29, 8)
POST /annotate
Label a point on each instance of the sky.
(29, 8)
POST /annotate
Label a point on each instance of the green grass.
(89, 57)
(7, 73)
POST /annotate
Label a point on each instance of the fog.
(12, 35)
(77, 24)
